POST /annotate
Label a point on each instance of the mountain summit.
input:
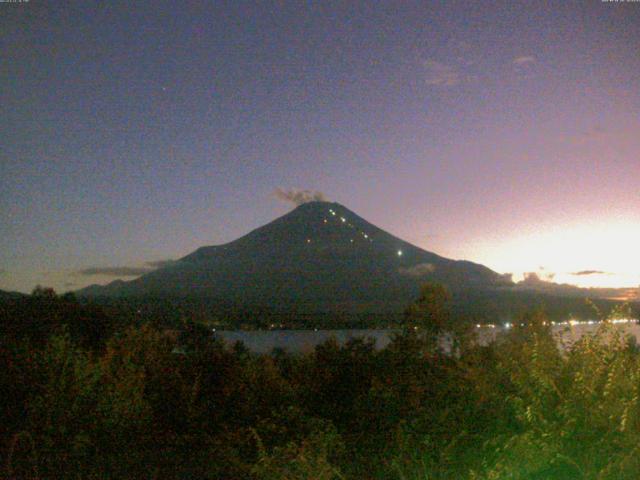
(321, 257)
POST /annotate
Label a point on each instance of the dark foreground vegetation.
(89, 394)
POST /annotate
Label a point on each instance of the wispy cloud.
(507, 277)
(298, 197)
(441, 74)
(161, 263)
(533, 278)
(524, 59)
(418, 270)
(115, 271)
(590, 272)
(125, 271)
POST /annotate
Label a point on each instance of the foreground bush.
(144, 402)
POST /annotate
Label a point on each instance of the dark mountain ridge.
(320, 265)
(8, 295)
(320, 256)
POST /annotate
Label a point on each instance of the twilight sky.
(135, 132)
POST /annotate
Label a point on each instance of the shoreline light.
(571, 323)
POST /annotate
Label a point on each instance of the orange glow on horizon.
(588, 254)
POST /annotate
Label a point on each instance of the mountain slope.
(6, 295)
(320, 256)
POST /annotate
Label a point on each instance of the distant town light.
(399, 253)
(343, 219)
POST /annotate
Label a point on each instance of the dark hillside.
(320, 257)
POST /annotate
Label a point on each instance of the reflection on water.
(567, 333)
(302, 341)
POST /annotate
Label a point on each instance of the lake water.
(304, 341)
(299, 341)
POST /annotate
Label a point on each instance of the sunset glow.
(584, 254)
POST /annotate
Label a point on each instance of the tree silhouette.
(430, 315)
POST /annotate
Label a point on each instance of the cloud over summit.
(298, 197)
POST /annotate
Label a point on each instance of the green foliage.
(577, 415)
(430, 314)
(158, 403)
(309, 458)
(58, 415)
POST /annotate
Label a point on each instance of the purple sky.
(507, 134)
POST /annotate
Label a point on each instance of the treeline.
(86, 394)
(469, 306)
